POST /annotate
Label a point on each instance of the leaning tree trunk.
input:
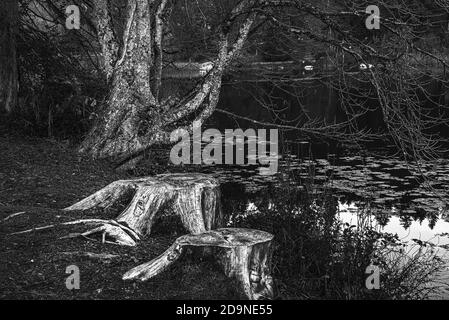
(243, 254)
(194, 197)
(8, 54)
(133, 118)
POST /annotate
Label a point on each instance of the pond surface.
(405, 199)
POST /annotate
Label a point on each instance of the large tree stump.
(194, 197)
(244, 255)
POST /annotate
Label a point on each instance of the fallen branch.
(91, 255)
(14, 215)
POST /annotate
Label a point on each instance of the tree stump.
(194, 197)
(243, 254)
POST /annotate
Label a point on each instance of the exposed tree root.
(121, 234)
(194, 197)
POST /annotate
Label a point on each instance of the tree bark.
(243, 254)
(8, 54)
(106, 35)
(194, 197)
(158, 53)
(130, 99)
(133, 119)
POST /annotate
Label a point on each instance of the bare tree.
(134, 117)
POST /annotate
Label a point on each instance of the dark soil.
(39, 177)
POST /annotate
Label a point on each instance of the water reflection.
(424, 229)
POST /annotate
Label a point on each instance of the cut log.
(243, 254)
(194, 197)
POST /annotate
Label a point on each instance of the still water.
(404, 199)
